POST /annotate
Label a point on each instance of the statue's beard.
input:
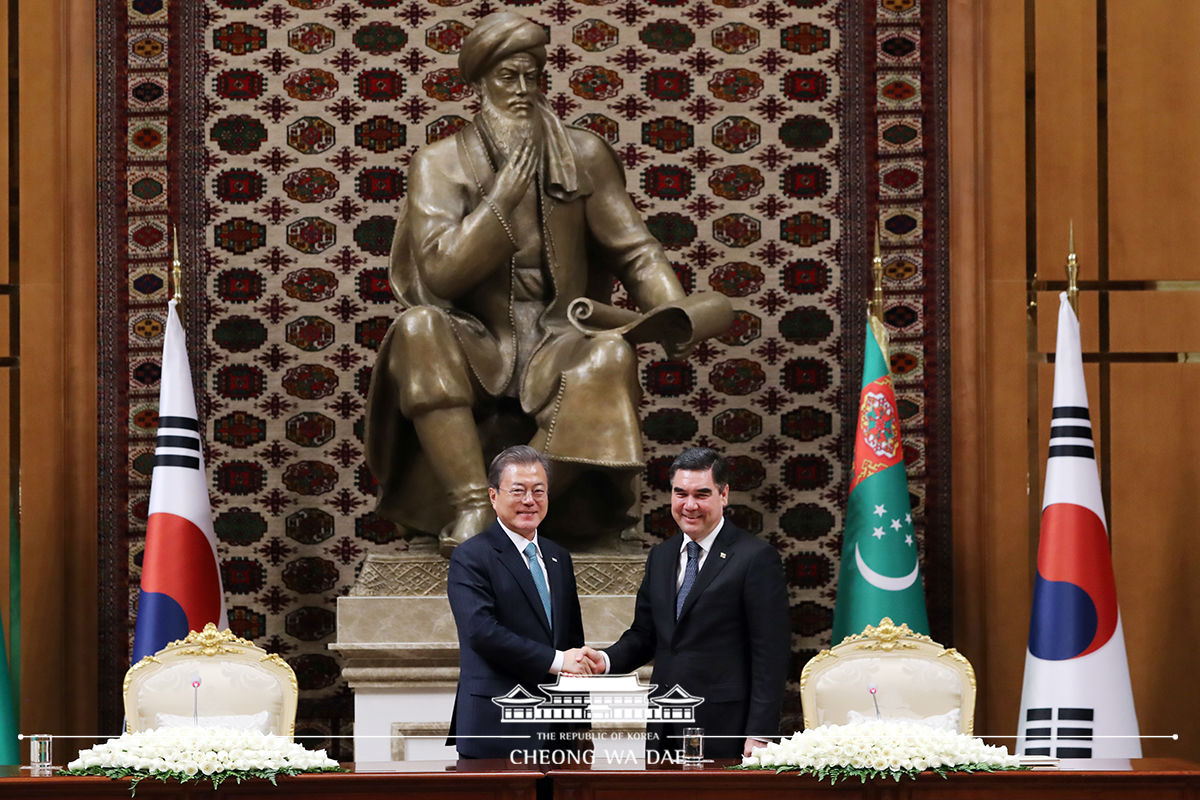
(508, 131)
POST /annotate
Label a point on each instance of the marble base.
(399, 648)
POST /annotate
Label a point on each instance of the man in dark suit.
(712, 612)
(516, 609)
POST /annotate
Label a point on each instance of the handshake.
(583, 661)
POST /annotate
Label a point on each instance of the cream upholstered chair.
(240, 685)
(914, 678)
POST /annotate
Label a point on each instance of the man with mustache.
(507, 222)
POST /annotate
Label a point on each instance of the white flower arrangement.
(879, 748)
(198, 753)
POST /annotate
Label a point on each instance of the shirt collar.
(520, 541)
(707, 542)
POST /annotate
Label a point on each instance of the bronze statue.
(504, 257)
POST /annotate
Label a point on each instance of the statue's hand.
(512, 182)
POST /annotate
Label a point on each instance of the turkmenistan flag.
(880, 575)
(8, 720)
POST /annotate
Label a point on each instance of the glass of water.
(41, 752)
(693, 745)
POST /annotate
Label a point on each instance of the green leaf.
(136, 776)
(842, 772)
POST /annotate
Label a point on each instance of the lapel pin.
(555, 560)
(722, 554)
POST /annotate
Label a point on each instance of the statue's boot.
(451, 446)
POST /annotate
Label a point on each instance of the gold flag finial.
(876, 307)
(1072, 271)
(176, 266)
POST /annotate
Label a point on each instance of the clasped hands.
(582, 661)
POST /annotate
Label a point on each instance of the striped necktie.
(539, 580)
(689, 576)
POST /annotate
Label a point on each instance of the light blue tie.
(689, 576)
(539, 580)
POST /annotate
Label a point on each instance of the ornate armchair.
(913, 676)
(212, 678)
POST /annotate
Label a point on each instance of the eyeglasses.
(519, 492)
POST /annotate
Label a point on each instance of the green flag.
(9, 753)
(880, 576)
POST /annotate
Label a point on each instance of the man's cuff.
(607, 663)
(556, 667)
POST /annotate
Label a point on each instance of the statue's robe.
(579, 393)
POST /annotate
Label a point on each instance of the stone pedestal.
(399, 646)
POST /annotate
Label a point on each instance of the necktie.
(539, 580)
(689, 576)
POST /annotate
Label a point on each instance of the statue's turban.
(495, 38)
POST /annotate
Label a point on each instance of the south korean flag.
(1076, 701)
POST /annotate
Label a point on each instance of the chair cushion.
(906, 688)
(228, 690)
(942, 722)
(237, 722)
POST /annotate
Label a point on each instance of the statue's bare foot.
(468, 522)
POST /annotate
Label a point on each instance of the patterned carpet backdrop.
(760, 138)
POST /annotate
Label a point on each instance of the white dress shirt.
(520, 542)
(705, 545)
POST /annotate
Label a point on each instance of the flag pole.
(875, 305)
(176, 266)
(1072, 271)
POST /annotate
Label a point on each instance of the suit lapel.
(516, 564)
(718, 556)
(557, 568)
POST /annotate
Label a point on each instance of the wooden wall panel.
(1155, 434)
(1065, 129)
(1162, 321)
(1100, 111)
(987, 285)
(57, 267)
(1153, 89)
(7, 493)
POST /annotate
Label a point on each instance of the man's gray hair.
(520, 455)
